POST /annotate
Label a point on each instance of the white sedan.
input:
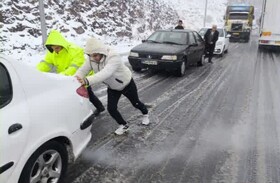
(222, 44)
(44, 123)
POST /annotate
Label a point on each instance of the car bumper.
(155, 64)
(239, 35)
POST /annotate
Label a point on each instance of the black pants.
(130, 91)
(209, 50)
(94, 100)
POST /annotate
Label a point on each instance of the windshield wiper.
(152, 41)
(170, 42)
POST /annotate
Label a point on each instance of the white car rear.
(43, 122)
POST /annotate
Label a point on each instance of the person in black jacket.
(180, 25)
(210, 37)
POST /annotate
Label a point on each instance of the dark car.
(170, 50)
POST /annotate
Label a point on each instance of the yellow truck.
(238, 21)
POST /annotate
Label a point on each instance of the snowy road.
(219, 123)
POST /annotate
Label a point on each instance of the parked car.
(222, 44)
(44, 122)
(170, 50)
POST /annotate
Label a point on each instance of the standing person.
(65, 58)
(211, 36)
(180, 25)
(110, 70)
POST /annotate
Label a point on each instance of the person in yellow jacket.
(65, 58)
(62, 57)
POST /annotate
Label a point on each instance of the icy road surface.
(219, 123)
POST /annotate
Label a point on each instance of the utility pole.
(205, 13)
(43, 21)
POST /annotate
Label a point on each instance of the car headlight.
(169, 57)
(219, 43)
(134, 54)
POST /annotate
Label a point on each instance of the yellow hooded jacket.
(67, 61)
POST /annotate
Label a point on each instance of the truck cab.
(238, 21)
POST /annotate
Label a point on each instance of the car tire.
(222, 53)
(52, 157)
(136, 69)
(201, 61)
(181, 71)
(226, 51)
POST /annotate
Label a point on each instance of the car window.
(5, 87)
(202, 31)
(221, 33)
(198, 37)
(225, 31)
(191, 38)
(169, 37)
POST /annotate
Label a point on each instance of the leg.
(206, 51)
(95, 101)
(130, 91)
(113, 99)
(211, 51)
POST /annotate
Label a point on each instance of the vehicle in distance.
(239, 20)
(44, 123)
(171, 50)
(270, 28)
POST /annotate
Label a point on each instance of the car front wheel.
(47, 164)
(181, 70)
(201, 60)
(223, 52)
(137, 69)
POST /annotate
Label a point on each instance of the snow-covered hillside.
(192, 12)
(114, 21)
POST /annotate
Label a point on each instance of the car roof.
(211, 28)
(175, 30)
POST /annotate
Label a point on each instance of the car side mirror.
(143, 41)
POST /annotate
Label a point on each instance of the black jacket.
(214, 39)
(179, 27)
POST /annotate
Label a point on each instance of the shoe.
(145, 119)
(121, 130)
(98, 111)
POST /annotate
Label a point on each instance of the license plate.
(149, 62)
(235, 33)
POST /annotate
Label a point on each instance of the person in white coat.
(110, 70)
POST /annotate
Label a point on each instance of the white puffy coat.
(110, 70)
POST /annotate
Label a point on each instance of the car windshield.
(239, 16)
(203, 31)
(168, 37)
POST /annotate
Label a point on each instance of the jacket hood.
(55, 38)
(94, 45)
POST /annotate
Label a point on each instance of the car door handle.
(15, 127)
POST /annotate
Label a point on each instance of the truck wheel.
(47, 164)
